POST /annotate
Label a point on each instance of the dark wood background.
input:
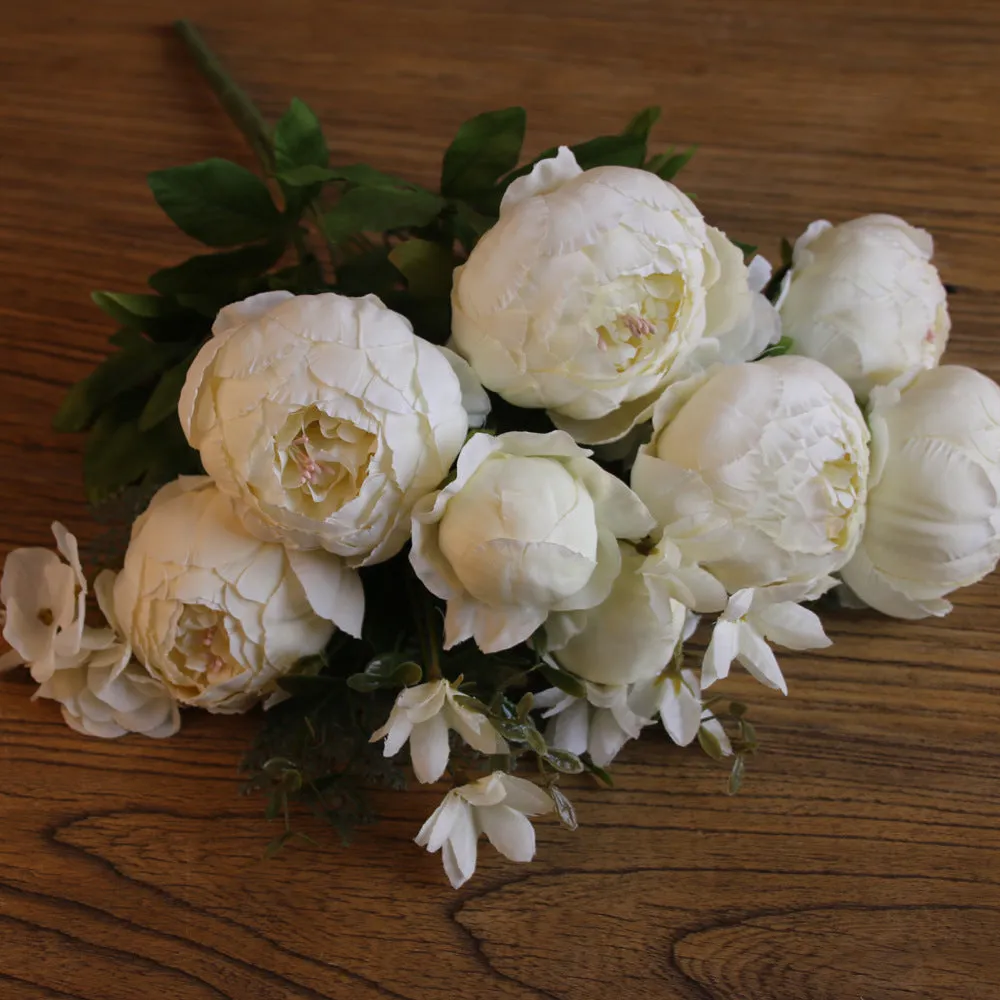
(862, 860)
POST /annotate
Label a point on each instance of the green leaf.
(564, 808)
(362, 175)
(426, 266)
(366, 273)
(162, 318)
(113, 457)
(214, 271)
(163, 402)
(564, 761)
(710, 744)
(134, 366)
(783, 346)
(563, 680)
(524, 706)
(748, 249)
(485, 148)
(643, 122)
(536, 741)
(736, 775)
(737, 709)
(298, 139)
(597, 771)
(611, 150)
(386, 671)
(306, 176)
(787, 253)
(217, 202)
(373, 210)
(668, 165)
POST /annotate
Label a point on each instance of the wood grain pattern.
(862, 859)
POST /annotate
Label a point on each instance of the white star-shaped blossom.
(424, 714)
(498, 806)
(600, 724)
(751, 619)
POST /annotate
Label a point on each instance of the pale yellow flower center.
(201, 650)
(633, 312)
(322, 461)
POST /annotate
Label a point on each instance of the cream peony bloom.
(424, 714)
(530, 526)
(327, 418)
(632, 634)
(218, 615)
(104, 692)
(758, 471)
(498, 806)
(44, 599)
(864, 298)
(594, 290)
(934, 504)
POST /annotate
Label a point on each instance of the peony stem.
(244, 114)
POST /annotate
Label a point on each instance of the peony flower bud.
(934, 504)
(864, 298)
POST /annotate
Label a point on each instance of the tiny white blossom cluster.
(739, 489)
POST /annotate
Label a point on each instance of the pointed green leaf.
(426, 266)
(373, 210)
(214, 271)
(485, 148)
(217, 202)
(298, 138)
(306, 176)
(643, 122)
(611, 150)
(125, 370)
(736, 775)
(163, 401)
(710, 744)
(563, 680)
(564, 808)
(669, 165)
(783, 346)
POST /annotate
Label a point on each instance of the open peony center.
(322, 461)
(201, 652)
(635, 314)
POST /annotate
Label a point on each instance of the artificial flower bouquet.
(454, 474)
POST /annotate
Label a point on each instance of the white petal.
(509, 831)
(524, 796)
(722, 650)
(429, 749)
(759, 659)
(438, 826)
(792, 626)
(459, 851)
(680, 711)
(333, 590)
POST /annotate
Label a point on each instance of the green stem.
(243, 112)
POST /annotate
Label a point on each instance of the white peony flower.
(934, 503)
(218, 615)
(103, 691)
(865, 299)
(675, 696)
(498, 806)
(758, 471)
(423, 715)
(327, 418)
(594, 290)
(530, 526)
(632, 634)
(751, 619)
(600, 724)
(44, 600)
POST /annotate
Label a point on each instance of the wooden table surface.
(862, 859)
